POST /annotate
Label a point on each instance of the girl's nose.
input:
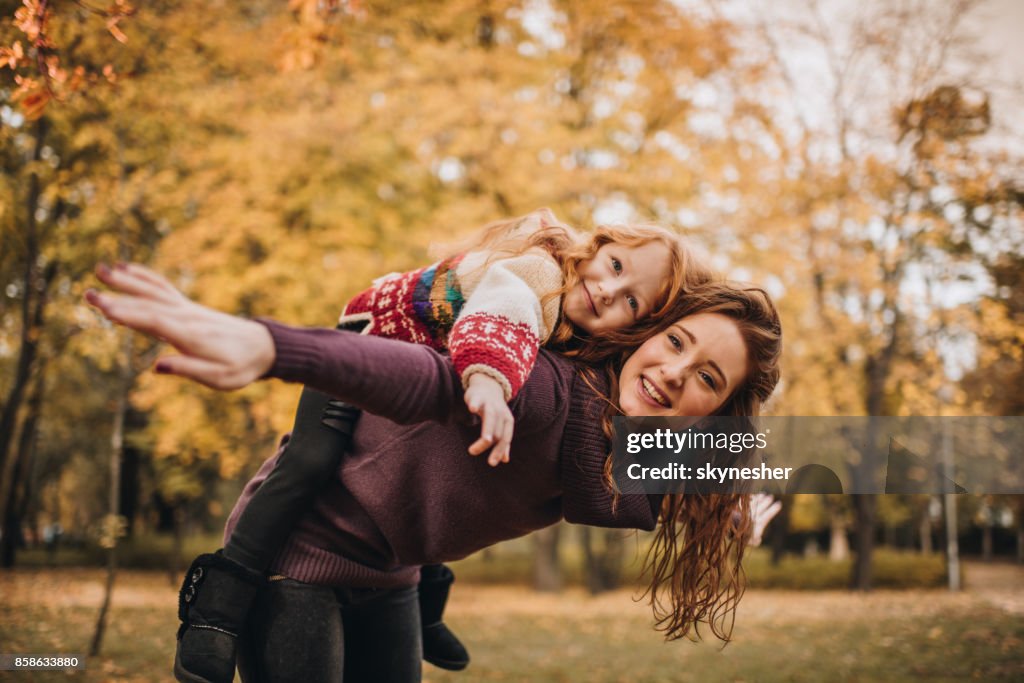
(608, 291)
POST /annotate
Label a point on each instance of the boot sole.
(448, 664)
(186, 676)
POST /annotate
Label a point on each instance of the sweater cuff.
(484, 369)
(503, 350)
(295, 354)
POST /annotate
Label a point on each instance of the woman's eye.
(633, 303)
(708, 379)
(674, 341)
(616, 265)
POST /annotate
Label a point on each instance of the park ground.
(515, 634)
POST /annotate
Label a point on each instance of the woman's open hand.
(763, 509)
(219, 350)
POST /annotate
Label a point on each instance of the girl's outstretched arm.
(403, 382)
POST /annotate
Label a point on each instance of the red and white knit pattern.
(387, 306)
(504, 319)
(501, 349)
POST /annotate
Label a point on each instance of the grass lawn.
(515, 634)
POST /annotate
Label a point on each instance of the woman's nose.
(676, 371)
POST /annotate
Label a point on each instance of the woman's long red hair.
(694, 566)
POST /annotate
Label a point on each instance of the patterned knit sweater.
(490, 316)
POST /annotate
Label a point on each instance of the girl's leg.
(321, 435)
(294, 633)
(382, 635)
(441, 647)
(309, 459)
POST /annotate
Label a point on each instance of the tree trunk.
(547, 575)
(838, 546)
(780, 529)
(986, 542)
(116, 448)
(864, 513)
(20, 488)
(1020, 529)
(888, 535)
(866, 505)
(175, 568)
(31, 307)
(925, 531)
(603, 566)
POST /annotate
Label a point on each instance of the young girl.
(528, 282)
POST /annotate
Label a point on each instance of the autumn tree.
(888, 196)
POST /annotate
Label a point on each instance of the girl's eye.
(616, 265)
(633, 303)
(708, 379)
(674, 341)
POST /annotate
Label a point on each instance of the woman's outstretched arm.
(219, 350)
(404, 382)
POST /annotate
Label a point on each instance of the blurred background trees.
(273, 160)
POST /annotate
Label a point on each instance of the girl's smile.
(590, 299)
(618, 286)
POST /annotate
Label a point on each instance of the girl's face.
(689, 369)
(617, 287)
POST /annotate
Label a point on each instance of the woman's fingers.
(219, 350)
(152, 277)
(137, 281)
(763, 508)
(146, 316)
(210, 373)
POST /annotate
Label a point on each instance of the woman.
(408, 495)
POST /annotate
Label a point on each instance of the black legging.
(310, 457)
(316, 634)
(321, 436)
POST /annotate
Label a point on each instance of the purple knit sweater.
(408, 493)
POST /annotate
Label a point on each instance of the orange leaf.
(33, 104)
(115, 31)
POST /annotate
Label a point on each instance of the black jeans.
(316, 634)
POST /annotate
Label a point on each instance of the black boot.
(214, 601)
(440, 646)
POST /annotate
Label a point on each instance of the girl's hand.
(219, 350)
(485, 397)
(763, 509)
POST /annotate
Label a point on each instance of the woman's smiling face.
(689, 369)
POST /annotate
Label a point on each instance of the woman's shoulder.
(543, 401)
(558, 387)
